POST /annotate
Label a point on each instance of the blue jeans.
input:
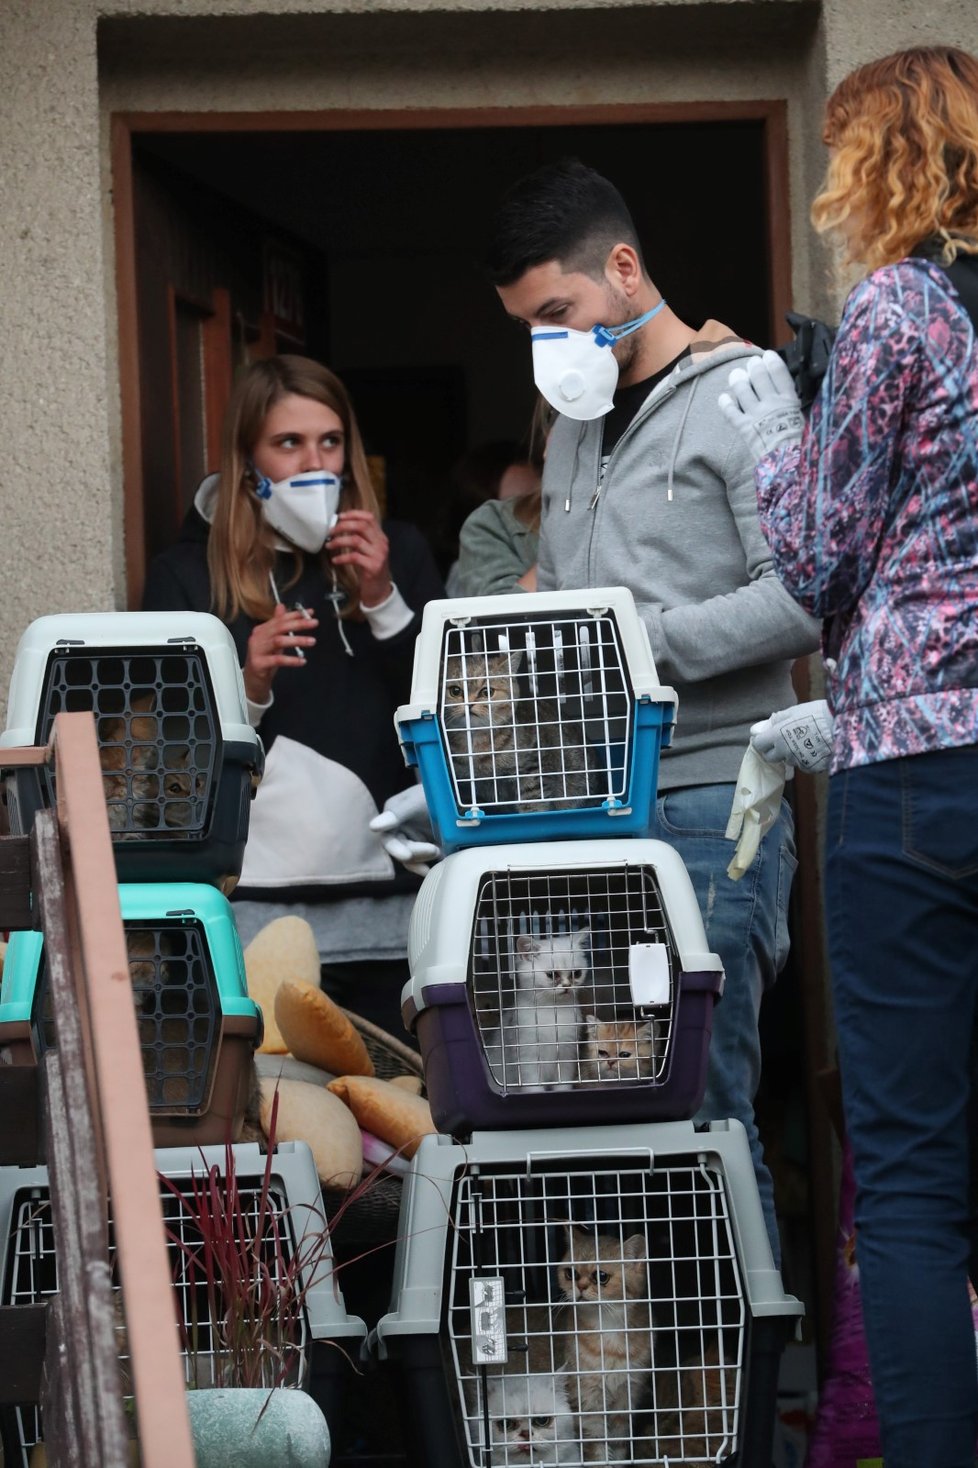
(747, 925)
(902, 908)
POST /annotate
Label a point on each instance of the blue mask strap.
(606, 336)
(263, 485)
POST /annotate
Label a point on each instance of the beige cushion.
(390, 1112)
(284, 949)
(317, 1031)
(287, 1068)
(310, 1114)
(411, 1084)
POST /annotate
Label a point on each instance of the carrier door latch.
(487, 1301)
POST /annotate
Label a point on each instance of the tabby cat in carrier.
(507, 750)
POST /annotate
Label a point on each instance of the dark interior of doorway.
(391, 226)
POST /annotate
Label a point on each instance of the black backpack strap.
(962, 273)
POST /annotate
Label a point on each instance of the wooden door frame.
(772, 114)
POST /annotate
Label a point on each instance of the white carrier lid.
(555, 605)
(125, 630)
(445, 908)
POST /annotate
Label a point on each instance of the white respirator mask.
(576, 371)
(302, 508)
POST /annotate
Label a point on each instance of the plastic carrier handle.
(539, 1159)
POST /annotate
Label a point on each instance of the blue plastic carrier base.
(631, 815)
(536, 717)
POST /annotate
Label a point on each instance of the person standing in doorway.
(647, 486)
(323, 598)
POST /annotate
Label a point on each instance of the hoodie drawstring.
(675, 446)
(335, 599)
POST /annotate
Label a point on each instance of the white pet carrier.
(602, 1295)
(179, 759)
(560, 983)
(536, 715)
(30, 1273)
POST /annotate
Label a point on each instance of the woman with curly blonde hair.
(871, 510)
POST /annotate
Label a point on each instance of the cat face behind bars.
(530, 1420)
(479, 711)
(147, 783)
(507, 748)
(617, 1049)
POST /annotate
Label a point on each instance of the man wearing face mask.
(646, 486)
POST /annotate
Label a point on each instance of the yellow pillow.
(284, 949)
(390, 1112)
(310, 1114)
(317, 1031)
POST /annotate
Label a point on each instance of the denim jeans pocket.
(787, 866)
(678, 812)
(939, 811)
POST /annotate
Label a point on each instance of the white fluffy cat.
(536, 1045)
(530, 1420)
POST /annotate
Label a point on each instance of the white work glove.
(404, 827)
(762, 404)
(800, 736)
(756, 803)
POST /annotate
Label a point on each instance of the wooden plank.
(110, 1038)
(23, 1331)
(16, 907)
(93, 1417)
(422, 119)
(24, 757)
(130, 387)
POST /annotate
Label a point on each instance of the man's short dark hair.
(563, 211)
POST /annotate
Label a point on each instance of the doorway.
(359, 241)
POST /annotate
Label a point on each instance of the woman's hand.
(357, 540)
(276, 644)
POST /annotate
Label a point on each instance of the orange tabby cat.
(617, 1049)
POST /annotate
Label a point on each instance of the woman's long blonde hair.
(904, 168)
(241, 548)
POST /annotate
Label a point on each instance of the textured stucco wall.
(60, 506)
(66, 64)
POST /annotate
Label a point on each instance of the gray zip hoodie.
(675, 520)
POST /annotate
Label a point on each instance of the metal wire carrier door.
(573, 977)
(596, 1316)
(536, 714)
(158, 734)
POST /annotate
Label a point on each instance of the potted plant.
(241, 1280)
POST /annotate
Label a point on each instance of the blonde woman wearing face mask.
(323, 598)
(871, 511)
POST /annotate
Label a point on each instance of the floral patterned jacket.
(873, 518)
